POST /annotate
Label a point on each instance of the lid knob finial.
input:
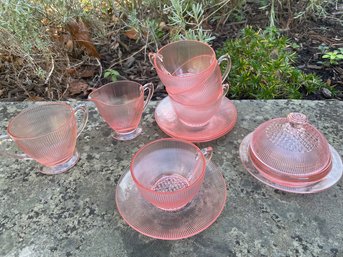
(297, 118)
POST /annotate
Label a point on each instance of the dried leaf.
(114, 46)
(132, 34)
(70, 45)
(61, 38)
(45, 21)
(91, 50)
(328, 82)
(115, 19)
(71, 71)
(76, 87)
(19, 61)
(87, 72)
(36, 98)
(162, 25)
(80, 34)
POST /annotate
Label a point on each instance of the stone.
(326, 92)
(74, 214)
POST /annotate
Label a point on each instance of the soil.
(310, 35)
(129, 56)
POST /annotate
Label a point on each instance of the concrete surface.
(74, 214)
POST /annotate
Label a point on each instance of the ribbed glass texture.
(120, 104)
(204, 92)
(183, 65)
(196, 115)
(168, 172)
(47, 133)
(154, 222)
(221, 122)
(290, 149)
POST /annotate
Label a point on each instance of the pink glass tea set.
(172, 189)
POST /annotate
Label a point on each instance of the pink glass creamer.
(169, 172)
(47, 134)
(121, 105)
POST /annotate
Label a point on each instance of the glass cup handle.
(159, 58)
(5, 139)
(84, 110)
(226, 88)
(151, 58)
(150, 88)
(207, 152)
(227, 58)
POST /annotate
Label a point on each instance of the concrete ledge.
(74, 214)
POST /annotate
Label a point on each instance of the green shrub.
(262, 68)
(182, 19)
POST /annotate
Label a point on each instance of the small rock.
(326, 93)
(340, 96)
(129, 62)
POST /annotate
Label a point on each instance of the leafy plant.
(183, 19)
(313, 7)
(147, 29)
(112, 74)
(262, 67)
(187, 18)
(334, 57)
(21, 19)
(323, 48)
(296, 10)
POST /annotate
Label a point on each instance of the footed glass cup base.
(127, 136)
(63, 167)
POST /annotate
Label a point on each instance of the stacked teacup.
(192, 77)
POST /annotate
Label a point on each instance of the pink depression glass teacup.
(185, 65)
(121, 105)
(195, 115)
(169, 172)
(206, 92)
(47, 133)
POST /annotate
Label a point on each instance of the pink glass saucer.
(219, 125)
(195, 217)
(329, 180)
